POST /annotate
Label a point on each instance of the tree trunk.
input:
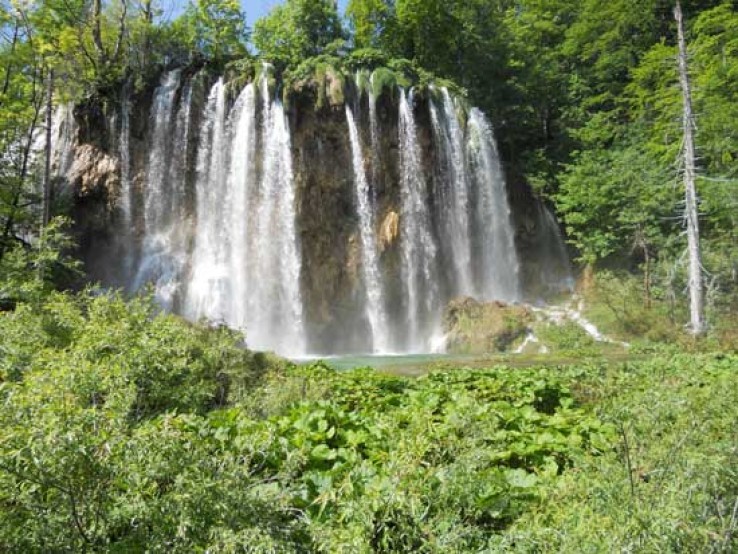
(696, 294)
(148, 14)
(647, 276)
(97, 32)
(46, 217)
(9, 67)
(121, 31)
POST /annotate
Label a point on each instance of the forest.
(415, 165)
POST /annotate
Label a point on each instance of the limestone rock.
(389, 231)
(94, 172)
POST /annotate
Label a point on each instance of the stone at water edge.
(474, 327)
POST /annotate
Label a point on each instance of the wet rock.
(94, 172)
(389, 231)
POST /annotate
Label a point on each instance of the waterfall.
(221, 239)
(496, 264)
(419, 269)
(208, 291)
(277, 296)
(374, 137)
(372, 276)
(551, 253)
(161, 257)
(241, 186)
(245, 269)
(453, 194)
(177, 174)
(157, 198)
(63, 136)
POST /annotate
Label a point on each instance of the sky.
(258, 8)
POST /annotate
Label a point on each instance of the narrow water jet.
(124, 152)
(63, 137)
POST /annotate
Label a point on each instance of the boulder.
(474, 327)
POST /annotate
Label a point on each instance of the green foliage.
(629, 195)
(366, 58)
(29, 273)
(116, 435)
(215, 28)
(670, 486)
(566, 338)
(370, 21)
(617, 304)
(621, 307)
(128, 430)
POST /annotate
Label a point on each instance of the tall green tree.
(297, 30)
(216, 28)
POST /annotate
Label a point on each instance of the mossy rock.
(474, 327)
(323, 85)
(383, 80)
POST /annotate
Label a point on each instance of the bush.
(566, 337)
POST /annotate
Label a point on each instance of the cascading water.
(453, 195)
(496, 261)
(375, 308)
(551, 253)
(208, 293)
(124, 152)
(177, 174)
(63, 133)
(419, 269)
(224, 208)
(277, 295)
(162, 252)
(157, 198)
(241, 182)
(245, 263)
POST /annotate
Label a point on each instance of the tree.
(371, 22)
(217, 28)
(21, 105)
(297, 30)
(697, 302)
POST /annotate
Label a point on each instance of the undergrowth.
(125, 430)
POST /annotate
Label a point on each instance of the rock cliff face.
(188, 185)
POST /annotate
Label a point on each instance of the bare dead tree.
(696, 292)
